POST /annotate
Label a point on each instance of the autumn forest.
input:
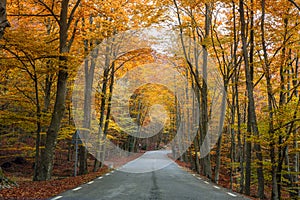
(215, 82)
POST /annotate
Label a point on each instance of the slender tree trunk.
(89, 70)
(240, 145)
(252, 113)
(99, 154)
(282, 102)
(111, 87)
(39, 128)
(3, 24)
(206, 164)
(270, 105)
(248, 156)
(232, 149)
(218, 159)
(295, 145)
(249, 126)
(235, 90)
(196, 138)
(196, 147)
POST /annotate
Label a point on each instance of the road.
(169, 182)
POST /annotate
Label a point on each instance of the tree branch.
(295, 4)
(50, 10)
(72, 14)
(31, 15)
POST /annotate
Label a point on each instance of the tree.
(193, 66)
(251, 104)
(65, 44)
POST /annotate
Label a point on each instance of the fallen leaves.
(45, 189)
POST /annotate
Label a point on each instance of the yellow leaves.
(24, 148)
(114, 125)
(66, 133)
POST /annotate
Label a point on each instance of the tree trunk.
(106, 124)
(204, 93)
(196, 146)
(89, 70)
(38, 129)
(251, 109)
(240, 145)
(59, 106)
(99, 154)
(40, 139)
(3, 18)
(248, 156)
(266, 68)
(218, 159)
(295, 144)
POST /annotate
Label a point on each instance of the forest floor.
(62, 179)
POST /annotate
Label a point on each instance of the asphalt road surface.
(168, 183)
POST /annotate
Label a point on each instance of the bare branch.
(31, 15)
(72, 14)
(295, 4)
(50, 10)
(73, 34)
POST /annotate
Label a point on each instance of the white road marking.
(112, 172)
(107, 174)
(100, 177)
(194, 174)
(231, 194)
(77, 189)
(90, 182)
(216, 187)
(199, 178)
(206, 182)
(58, 197)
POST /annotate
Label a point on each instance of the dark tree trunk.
(40, 138)
(251, 104)
(106, 124)
(274, 195)
(3, 18)
(205, 161)
(99, 154)
(39, 128)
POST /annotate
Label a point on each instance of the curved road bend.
(168, 183)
